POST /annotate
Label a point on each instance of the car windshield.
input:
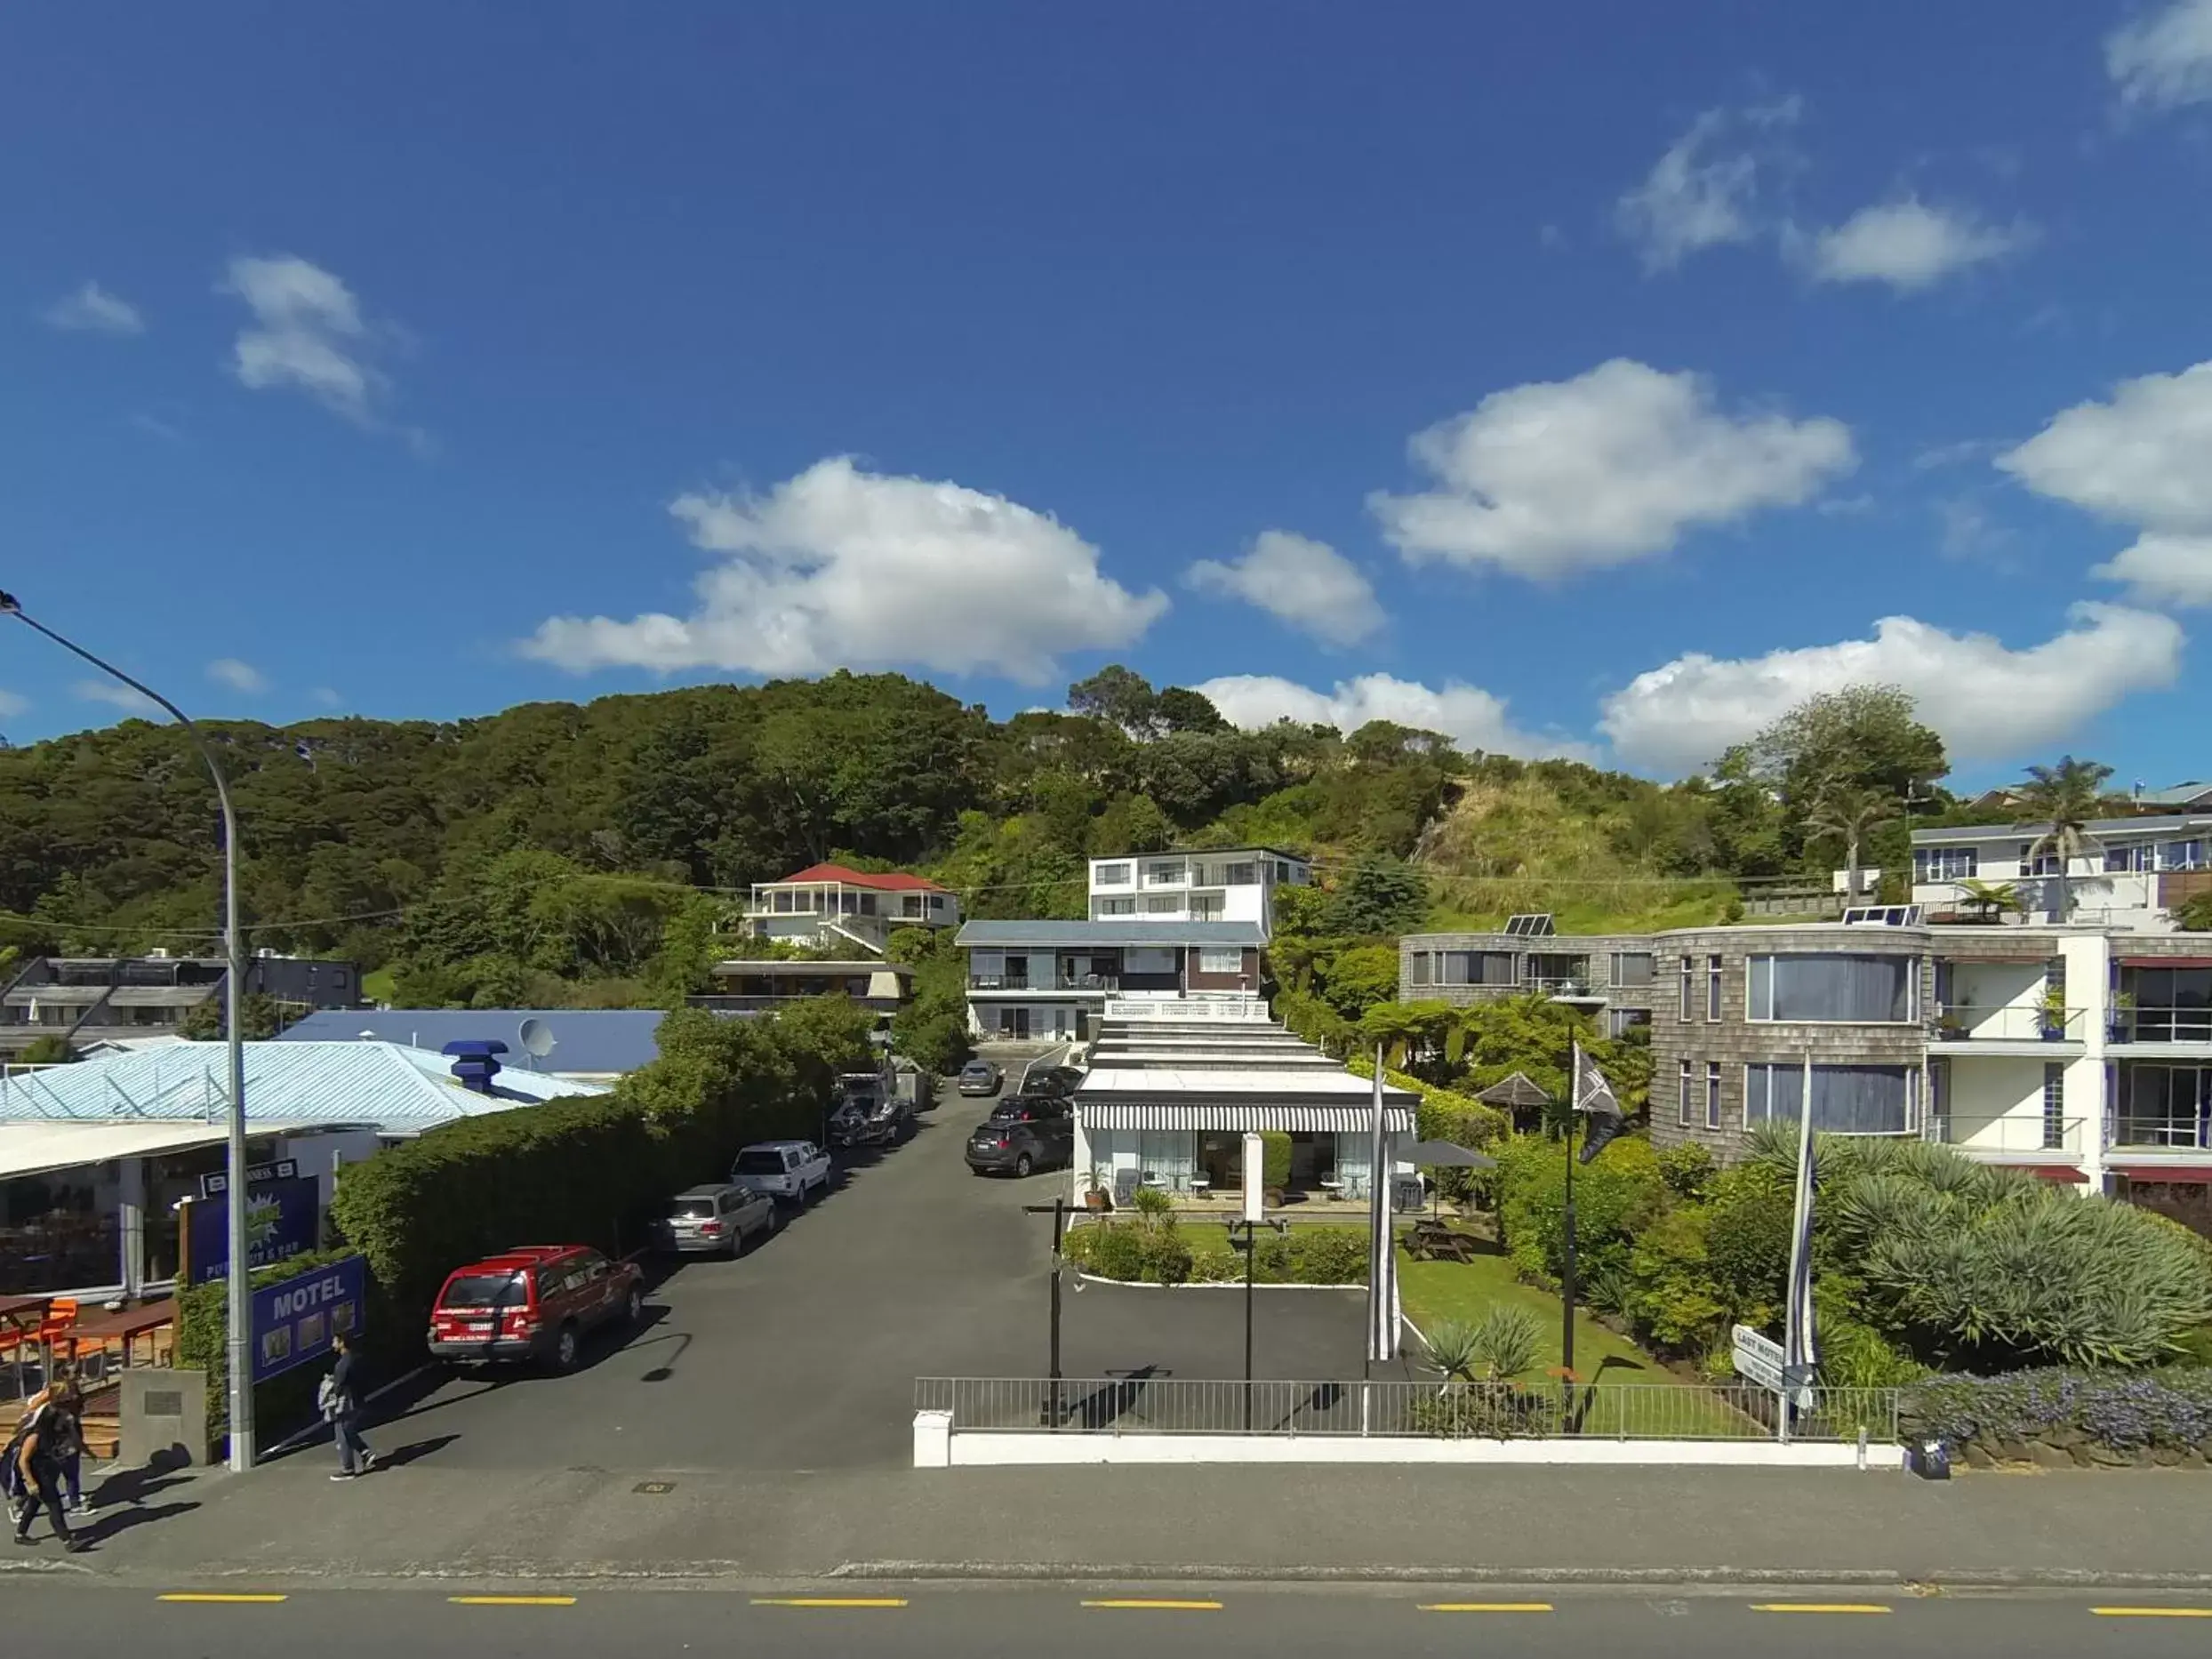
(691, 1209)
(761, 1161)
(485, 1290)
(976, 1069)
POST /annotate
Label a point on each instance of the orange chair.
(53, 1335)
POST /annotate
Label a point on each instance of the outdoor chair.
(1125, 1188)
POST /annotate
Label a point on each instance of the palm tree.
(2061, 801)
(1993, 899)
(1849, 813)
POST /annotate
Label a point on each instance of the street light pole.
(1058, 1208)
(240, 1298)
(1241, 1238)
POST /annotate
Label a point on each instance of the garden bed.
(2056, 1418)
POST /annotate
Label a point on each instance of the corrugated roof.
(287, 1083)
(884, 881)
(604, 1042)
(1134, 930)
(1282, 1083)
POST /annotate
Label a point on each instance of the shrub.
(1615, 1197)
(1687, 1169)
(2125, 1412)
(1675, 1303)
(283, 1403)
(1152, 1203)
(1115, 1250)
(1327, 1256)
(1508, 1339)
(1274, 1160)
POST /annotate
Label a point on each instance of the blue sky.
(1592, 379)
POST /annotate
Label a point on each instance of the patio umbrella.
(1445, 1155)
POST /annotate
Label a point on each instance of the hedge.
(2055, 1416)
(1162, 1252)
(280, 1405)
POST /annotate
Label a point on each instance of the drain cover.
(654, 1488)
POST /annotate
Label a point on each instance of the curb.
(1155, 1572)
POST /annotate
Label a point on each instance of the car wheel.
(566, 1346)
(1021, 1167)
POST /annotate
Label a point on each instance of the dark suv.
(1024, 1131)
(1056, 1082)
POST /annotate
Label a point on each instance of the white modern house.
(2138, 871)
(827, 901)
(1052, 979)
(1233, 885)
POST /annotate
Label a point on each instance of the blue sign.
(280, 1223)
(294, 1320)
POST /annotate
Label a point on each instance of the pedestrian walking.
(42, 1450)
(73, 1459)
(340, 1397)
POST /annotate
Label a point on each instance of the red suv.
(535, 1301)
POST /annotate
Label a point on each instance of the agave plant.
(1508, 1339)
(1454, 1352)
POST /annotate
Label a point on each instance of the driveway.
(802, 1355)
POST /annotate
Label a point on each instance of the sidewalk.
(288, 1522)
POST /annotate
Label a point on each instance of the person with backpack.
(73, 1459)
(41, 1449)
(339, 1396)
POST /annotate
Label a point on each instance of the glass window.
(2164, 1105)
(2125, 860)
(1166, 905)
(1246, 875)
(1713, 989)
(1712, 1094)
(2033, 864)
(2181, 855)
(2053, 1104)
(1689, 990)
(1682, 1096)
(1116, 907)
(1632, 967)
(786, 901)
(1835, 990)
(1111, 876)
(1228, 961)
(1417, 968)
(1946, 863)
(1163, 875)
(1846, 1100)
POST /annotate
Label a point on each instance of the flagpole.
(1795, 1340)
(1566, 1279)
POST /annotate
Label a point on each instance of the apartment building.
(95, 999)
(1029, 979)
(826, 902)
(1232, 884)
(2138, 871)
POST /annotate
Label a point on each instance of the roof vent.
(475, 1062)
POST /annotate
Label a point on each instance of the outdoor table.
(125, 1326)
(20, 1318)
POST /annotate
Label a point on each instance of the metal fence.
(1629, 1411)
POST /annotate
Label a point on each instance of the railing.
(2008, 1022)
(2171, 1134)
(1560, 985)
(2008, 1134)
(1043, 981)
(2161, 1025)
(1629, 1411)
(998, 981)
(1221, 1004)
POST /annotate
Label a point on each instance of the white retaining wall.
(937, 1446)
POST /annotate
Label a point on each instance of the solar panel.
(1533, 927)
(1882, 916)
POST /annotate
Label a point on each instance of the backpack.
(326, 1396)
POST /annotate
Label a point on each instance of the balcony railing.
(2009, 1022)
(2161, 1025)
(2009, 1135)
(2174, 1134)
(1044, 981)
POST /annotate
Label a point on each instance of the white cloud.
(11, 705)
(2144, 459)
(1968, 532)
(1703, 191)
(1305, 583)
(308, 334)
(240, 676)
(116, 696)
(1467, 715)
(93, 310)
(1607, 467)
(1989, 702)
(838, 567)
(2164, 60)
(2164, 569)
(1908, 244)
(324, 697)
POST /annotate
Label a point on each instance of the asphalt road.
(1089, 1622)
(802, 1354)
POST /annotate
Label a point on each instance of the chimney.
(475, 1062)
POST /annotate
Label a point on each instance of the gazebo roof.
(1516, 1091)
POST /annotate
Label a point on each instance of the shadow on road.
(414, 1451)
(108, 1526)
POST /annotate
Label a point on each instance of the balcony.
(2007, 1027)
(1044, 982)
(2027, 1136)
(2166, 1027)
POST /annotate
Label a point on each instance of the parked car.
(980, 1076)
(534, 1303)
(1058, 1082)
(854, 1123)
(716, 1219)
(1025, 1132)
(791, 1171)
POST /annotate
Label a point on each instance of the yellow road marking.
(183, 1595)
(1487, 1607)
(829, 1601)
(512, 1602)
(1161, 1606)
(1818, 1606)
(2152, 1612)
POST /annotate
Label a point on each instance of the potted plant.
(1949, 1027)
(2054, 1014)
(2123, 1011)
(1097, 1195)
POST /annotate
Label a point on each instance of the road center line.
(194, 1595)
(1487, 1607)
(829, 1601)
(1818, 1606)
(512, 1602)
(2152, 1612)
(1158, 1607)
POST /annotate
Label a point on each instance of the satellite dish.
(537, 1037)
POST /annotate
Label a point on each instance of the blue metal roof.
(591, 1041)
(288, 1085)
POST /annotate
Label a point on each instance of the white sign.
(1254, 1178)
(1759, 1359)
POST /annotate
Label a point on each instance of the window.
(1621, 1022)
(2164, 1105)
(2054, 1105)
(2126, 860)
(1712, 1094)
(2032, 864)
(1846, 1100)
(1246, 875)
(785, 902)
(1417, 968)
(2181, 855)
(1166, 906)
(1282, 870)
(1166, 875)
(1110, 876)
(1713, 989)
(1946, 863)
(1632, 967)
(1230, 961)
(1690, 991)
(1682, 1096)
(1116, 907)
(1835, 990)
(1474, 967)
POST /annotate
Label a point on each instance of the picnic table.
(1434, 1241)
(124, 1328)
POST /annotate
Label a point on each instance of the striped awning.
(1237, 1116)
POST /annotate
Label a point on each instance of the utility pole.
(1058, 1210)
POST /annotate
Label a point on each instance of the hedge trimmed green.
(1164, 1252)
(280, 1405)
